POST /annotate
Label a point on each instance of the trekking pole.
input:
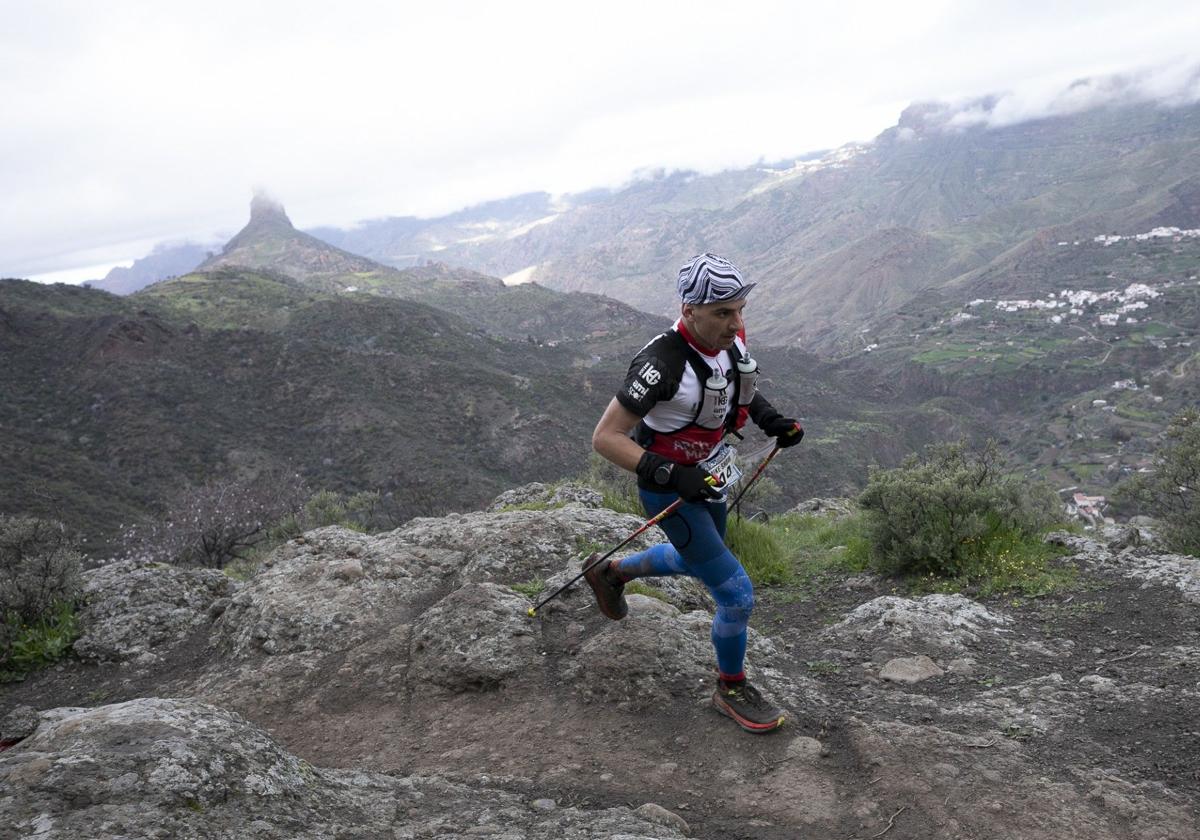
(650, 523)
(754, 477)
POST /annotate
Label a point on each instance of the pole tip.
(531, 612)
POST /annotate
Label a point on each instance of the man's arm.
(611, 436)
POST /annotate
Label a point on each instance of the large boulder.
(474, 638)
(652, 654)
(932, 623)
(525, 545)
(180, 768)
(538, 495)
(137, 609)
(331, 590)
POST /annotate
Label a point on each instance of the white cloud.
(134, 121)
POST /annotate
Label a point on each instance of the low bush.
(40, 584)
(328, 507)
(953, 513)
(1172, 491)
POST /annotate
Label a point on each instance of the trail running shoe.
(609, 590)
(748, 708)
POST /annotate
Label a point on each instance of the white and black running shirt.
(662, 388)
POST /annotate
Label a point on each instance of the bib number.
(722, 465)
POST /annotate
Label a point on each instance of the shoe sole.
(746, 724)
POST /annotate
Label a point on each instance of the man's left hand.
(786, 431)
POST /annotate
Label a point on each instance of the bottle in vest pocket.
(714, 403)
(747, 380)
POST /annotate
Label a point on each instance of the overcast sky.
(131, 123)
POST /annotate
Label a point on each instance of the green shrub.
(324, 508)
(1172, 492)
(39, 580)
(948, 513)
(46, 640)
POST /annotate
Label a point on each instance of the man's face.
(714, 325)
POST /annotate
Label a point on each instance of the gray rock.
(963, 666)
(179, 768)
(524, 545)
(910, 670)
(533, 493)
(653, 653)
(538, 494)
(330, 591)
(136, 608)
(804, 748)
(934, 622)
(475, 638)
(661, 816)
(1035, 705)
(20, 722)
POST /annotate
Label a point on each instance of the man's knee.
(735, 597)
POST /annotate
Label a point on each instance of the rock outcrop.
(134, 610)
(178, 768)
(408, 661)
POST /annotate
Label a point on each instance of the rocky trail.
(392, 686)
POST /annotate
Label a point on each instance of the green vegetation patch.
(530, 588)
(760, 551)
(955, 518)
(33, 645)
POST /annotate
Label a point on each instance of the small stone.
(544, 804)
(659, 815)
(19, 723)
(1099, 684)
(804, 748)
(348, 571)
(964, 667)
(911, 669)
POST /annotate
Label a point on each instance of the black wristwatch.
(662, 475)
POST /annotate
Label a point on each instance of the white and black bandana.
(708, 278)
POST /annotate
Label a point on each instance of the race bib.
(722, 464)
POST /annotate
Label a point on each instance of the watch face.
(663, 474)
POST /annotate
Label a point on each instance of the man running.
(684, 392)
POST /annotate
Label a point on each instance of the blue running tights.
(697, 548)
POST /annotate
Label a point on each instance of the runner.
(684, 392)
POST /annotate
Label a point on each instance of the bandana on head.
(708, 278)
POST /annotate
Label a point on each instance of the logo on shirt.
(650, 373)
(637, 390)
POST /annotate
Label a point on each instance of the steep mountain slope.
(841, 239)
(269, 243)
(1078, 351)
(117, 402)
(162, 262)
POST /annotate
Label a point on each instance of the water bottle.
(748, 380)
(714, 402)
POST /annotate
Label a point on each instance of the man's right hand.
(691, 483)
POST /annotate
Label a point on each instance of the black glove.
(786, 431)
(691, 483)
